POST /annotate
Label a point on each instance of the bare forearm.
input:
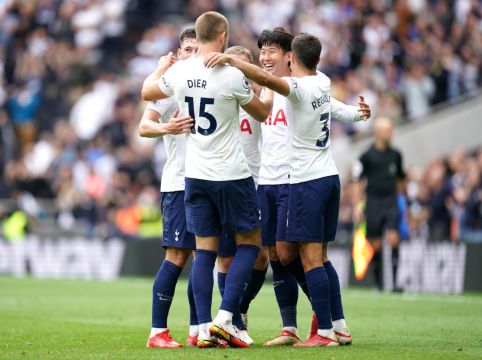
(151, 129)
(251, 71)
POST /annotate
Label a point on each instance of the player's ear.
(224, 37)
(319, 61)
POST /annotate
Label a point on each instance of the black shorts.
(381, 213)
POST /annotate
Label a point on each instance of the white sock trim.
(203, 331)
(339, 324)
(155, 331)
(193, 330)
(224, 317)
(291, 329)
(325, 332)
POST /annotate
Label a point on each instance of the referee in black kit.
(381, 167)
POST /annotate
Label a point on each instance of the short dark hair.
(307, 49)
(189, 33)
(277, 36)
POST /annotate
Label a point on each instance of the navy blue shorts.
(273, 202)
(227, 245)
(175, 233)
(216, 206)
(313, 210)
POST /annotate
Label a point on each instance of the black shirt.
(382, 170)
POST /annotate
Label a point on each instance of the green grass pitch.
(67, 319)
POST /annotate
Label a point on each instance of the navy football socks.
(238, 275)
(296, 269)
(254, 285)
(192, 303)
(163, 292)
(221, 282)
(236, 314)
(202, 283)
(336, 306)
(319, 288)
(286, 291)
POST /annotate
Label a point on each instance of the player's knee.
(178, 257)
(224, 262)
(310, 258)
(273, 255)
(262, 259)
(286, 255)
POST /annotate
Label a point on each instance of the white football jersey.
(310, 112)
(175, 145)
(212, 97)
(275, 133)
(250, 136)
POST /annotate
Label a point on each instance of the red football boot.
(162, 340)
(319, 341)
(191, 341)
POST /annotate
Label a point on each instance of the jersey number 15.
(202, 113)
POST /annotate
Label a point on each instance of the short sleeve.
(241, 89)
(160, 106)
(166, 82)
(295, 95)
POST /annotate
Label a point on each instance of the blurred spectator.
(419, 88)
(22, 107)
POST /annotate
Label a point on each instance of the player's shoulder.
(180, 66)
(323, 78)
(232, 72)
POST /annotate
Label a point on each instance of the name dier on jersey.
(197, 83)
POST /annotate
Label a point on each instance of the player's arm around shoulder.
(149, 126)
(251, 71)
(260, 107)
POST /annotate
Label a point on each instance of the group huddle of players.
(249, 180)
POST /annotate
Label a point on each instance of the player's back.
(310, 110)
(212, 97)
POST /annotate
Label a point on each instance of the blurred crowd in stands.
(443, 200)
(71, 71)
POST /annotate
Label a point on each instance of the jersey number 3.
(202, 113)
(325, 131)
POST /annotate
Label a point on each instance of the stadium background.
(79, 189)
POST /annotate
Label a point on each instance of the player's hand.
(179, 125)
(364, 109)
(166, 61)
(214, 59)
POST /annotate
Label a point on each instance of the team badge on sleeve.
(246, 85)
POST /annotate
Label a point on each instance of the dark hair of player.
(189, 33)
(307, 49)
(210, 25)
(278, 36)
